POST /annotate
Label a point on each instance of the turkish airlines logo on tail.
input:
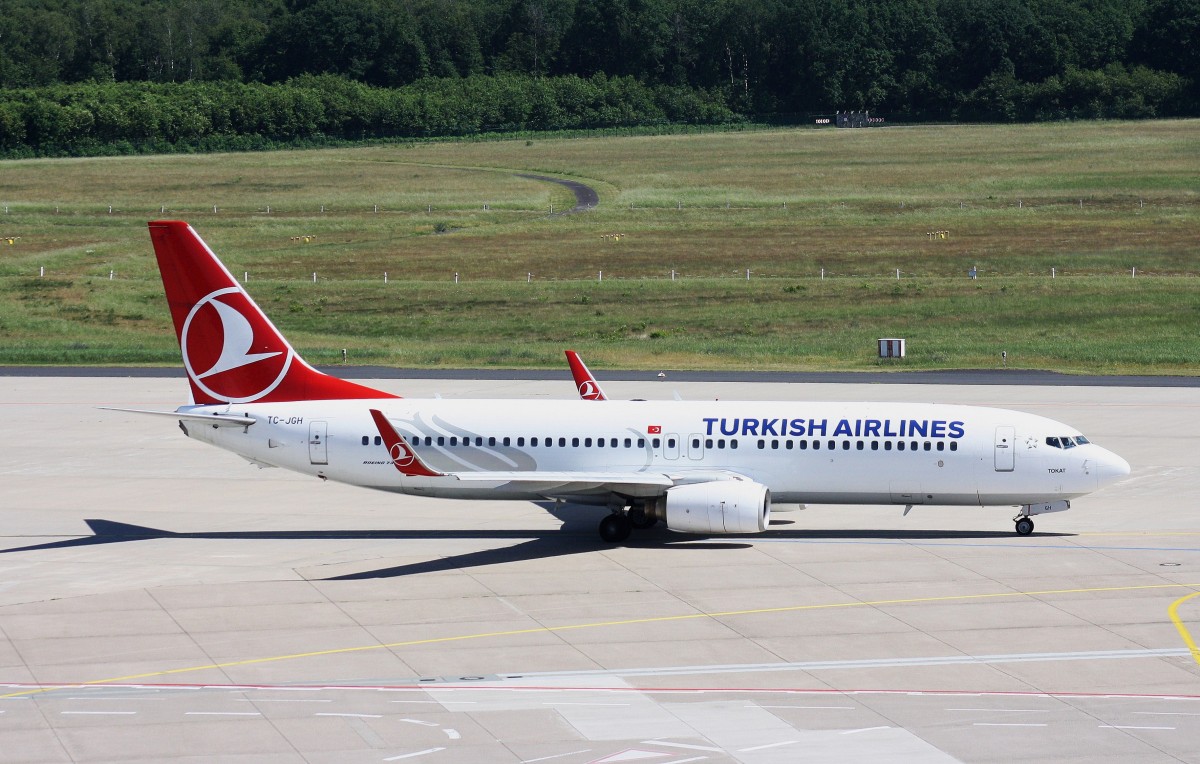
(226, 354)
(589, 391)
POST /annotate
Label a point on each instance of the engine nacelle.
(718, 506)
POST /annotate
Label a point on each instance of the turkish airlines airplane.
(706, 467)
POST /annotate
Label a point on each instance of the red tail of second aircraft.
(589, 388)
(231, 350)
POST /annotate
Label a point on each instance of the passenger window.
(804, 445)
(733, 443)
(775, 445)
(533, 442)
(507, 441)
(762, 444)
(441, 440)
(695, 443)
(628, 443)
(613, 443)
(454, 440)
(641, 442)
(900, 446)
(721, 443)
(928, 446)
(788, 445)
(657, 443)
(941, 446)
(670, 443)
(587, 442)
(832, 445)
(816, 445)
(845, 445)
(860, 445)
(953, 446)
(575, 442)
(492, 440)
(708, 443)
(874, 445)
(887, 445)
(562, 442)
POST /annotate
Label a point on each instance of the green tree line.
(128, 117)
(914, 59)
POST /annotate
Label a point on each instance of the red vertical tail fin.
(231, 350)
(589, 388)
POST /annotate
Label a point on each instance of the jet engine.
(719, 506)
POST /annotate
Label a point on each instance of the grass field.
(1092, 201)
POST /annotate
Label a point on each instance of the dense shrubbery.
(118, 118)
(254, 71)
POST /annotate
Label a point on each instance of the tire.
(615, 528)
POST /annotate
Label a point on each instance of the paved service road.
(586, 197)
(162, 599)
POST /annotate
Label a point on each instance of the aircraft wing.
(640, 484)
(624, 483)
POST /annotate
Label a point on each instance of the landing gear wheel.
(615, 528)
(641, 520)
(1024, 526)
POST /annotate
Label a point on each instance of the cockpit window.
(1067, 441)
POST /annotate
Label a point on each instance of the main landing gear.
(616, 527)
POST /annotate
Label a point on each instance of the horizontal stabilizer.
(217, 420)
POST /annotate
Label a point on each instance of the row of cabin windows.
(454, 440)
(709, 443)
(861, 445)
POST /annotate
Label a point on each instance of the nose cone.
(1110, 468)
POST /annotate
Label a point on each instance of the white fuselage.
(839, 453)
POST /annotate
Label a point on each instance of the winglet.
(406, 460)
(589, 388)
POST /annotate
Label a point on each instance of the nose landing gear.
(1024, 525)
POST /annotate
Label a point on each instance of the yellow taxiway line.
(1172, 611)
